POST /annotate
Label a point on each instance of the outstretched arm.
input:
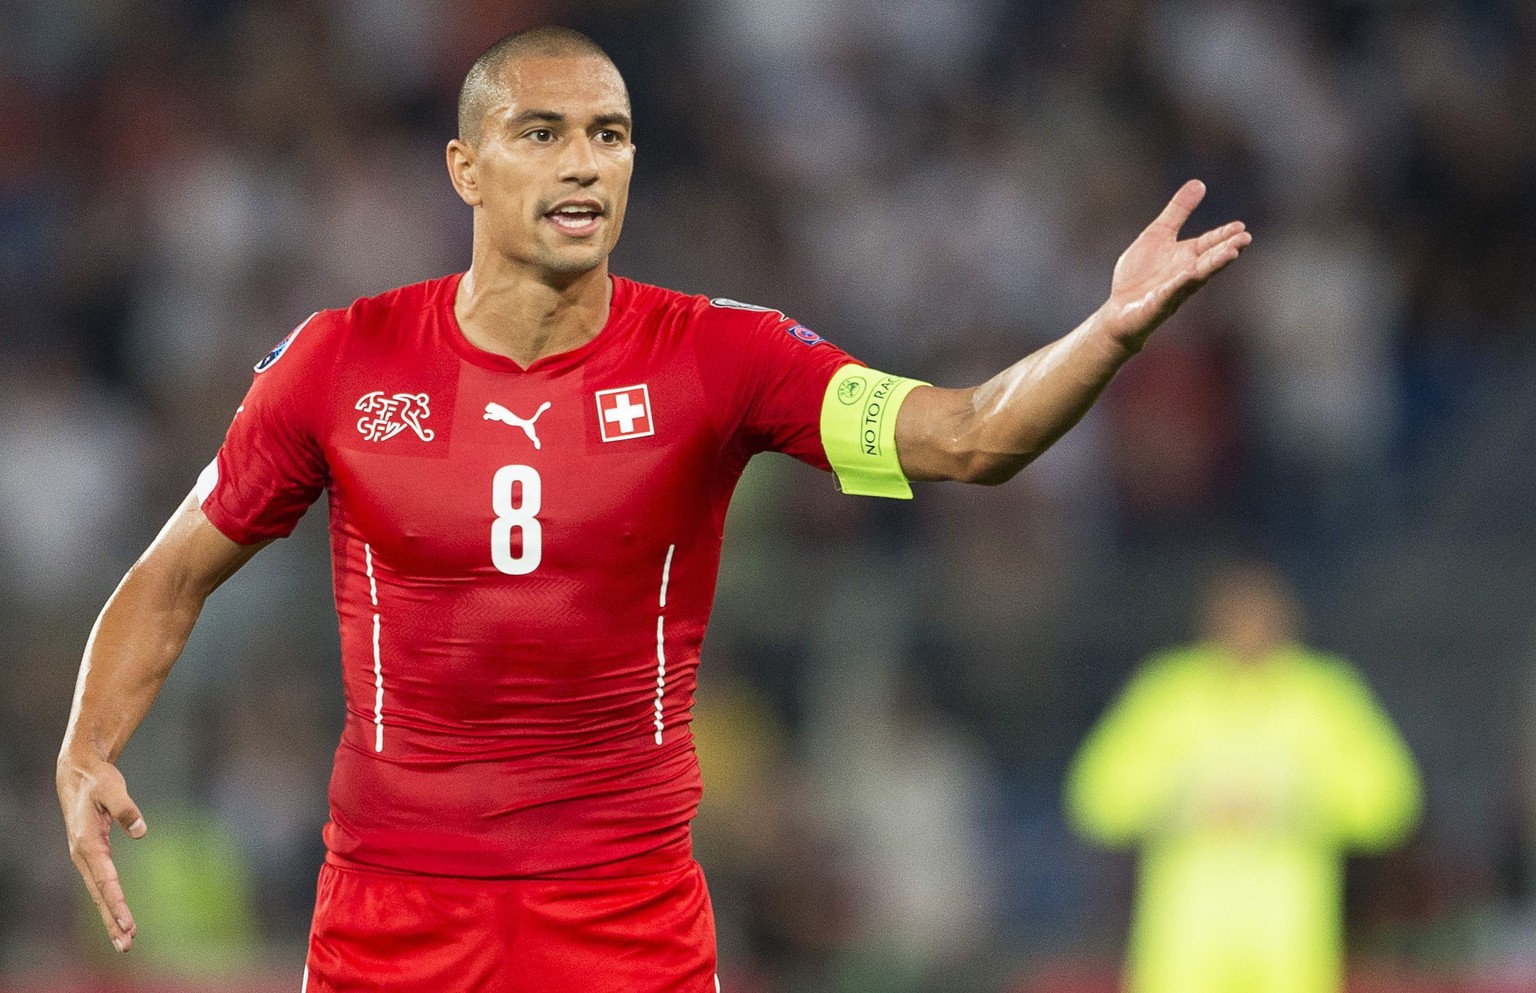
(136, 639)
(988, 433)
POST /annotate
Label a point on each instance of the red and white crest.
(386, 416)
(625, 413)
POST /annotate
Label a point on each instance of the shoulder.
(1183, 663)
(323, 334)
(384, 317)
(1330, 673)
(402, 304)
(716, 317)
(1172, 672)
(314, 335)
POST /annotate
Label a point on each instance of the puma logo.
(496, 412)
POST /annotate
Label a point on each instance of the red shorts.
(430, 934)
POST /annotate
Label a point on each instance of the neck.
(1251, 656)
(508, 311)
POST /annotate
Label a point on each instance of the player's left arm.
(988, 433)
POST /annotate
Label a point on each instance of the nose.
(578, 163)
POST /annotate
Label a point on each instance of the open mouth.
(576, 218)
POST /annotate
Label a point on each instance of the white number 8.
(523, 517)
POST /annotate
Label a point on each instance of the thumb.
(124, 811)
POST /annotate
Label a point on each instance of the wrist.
(1120, 335)
(78, 759)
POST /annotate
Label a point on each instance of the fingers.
(1180, 207)
(1220, 255)
(91, 802)
(106, 891)
(1216, 236)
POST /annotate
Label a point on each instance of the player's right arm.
(132, 647)
(268, 471)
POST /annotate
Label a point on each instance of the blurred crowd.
(890, 693)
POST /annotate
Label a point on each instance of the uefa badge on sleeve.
(804, 335)
(625, 413)
(271, 357)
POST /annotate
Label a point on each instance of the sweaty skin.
(557, 135)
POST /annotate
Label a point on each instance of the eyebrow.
(555, 117)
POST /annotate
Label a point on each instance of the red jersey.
(523, 561)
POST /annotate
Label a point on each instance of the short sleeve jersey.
(523, 559)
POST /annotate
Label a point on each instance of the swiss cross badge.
(625, 413)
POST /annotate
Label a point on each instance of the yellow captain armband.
(858, 430)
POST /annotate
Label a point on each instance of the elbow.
(992, 471)
(985, 467)
(985, 454)
(153, 579)
(169, 580)
(160, 590)
(967, 446)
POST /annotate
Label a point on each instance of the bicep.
(148, 617)
(194, 553)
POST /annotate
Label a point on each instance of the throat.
(530, 322)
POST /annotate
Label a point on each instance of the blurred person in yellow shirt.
(1244, 766)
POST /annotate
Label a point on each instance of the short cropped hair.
(486, 76)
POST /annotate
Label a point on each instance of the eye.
(541, 135)
(608, 136)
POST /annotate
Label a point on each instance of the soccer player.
(527, 468)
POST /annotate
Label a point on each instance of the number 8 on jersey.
(522, 517)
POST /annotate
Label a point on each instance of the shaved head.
(486, 81)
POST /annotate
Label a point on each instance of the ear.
(461, 171)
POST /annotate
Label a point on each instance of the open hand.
(92, 798)
(1159, 272)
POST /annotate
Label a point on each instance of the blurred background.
(938, 186)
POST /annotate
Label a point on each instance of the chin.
(572, 264)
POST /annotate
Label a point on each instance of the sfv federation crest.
(386, 416)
